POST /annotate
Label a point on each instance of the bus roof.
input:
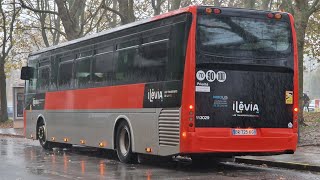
(133, 24)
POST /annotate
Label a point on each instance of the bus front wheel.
(42, 135)
(124, 143)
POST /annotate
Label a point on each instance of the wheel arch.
(117, 122)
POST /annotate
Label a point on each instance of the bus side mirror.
(26, 73)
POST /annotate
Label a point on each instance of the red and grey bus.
(197, 81)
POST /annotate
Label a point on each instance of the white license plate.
(240, 132)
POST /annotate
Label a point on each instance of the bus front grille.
(169, 127)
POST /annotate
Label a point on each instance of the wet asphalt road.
(25, 159)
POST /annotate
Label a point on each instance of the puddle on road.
(32, 162)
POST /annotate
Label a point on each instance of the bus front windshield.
(243, 37)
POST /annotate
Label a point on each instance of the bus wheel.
(124, 143)
(41, 129)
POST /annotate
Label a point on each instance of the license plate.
(240, 132)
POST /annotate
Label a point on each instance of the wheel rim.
(42, 134)
(124, 143)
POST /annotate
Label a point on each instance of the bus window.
(83, 72)
(177, 51)
(32, 83)
(102, 70)
(124, 72)
(43, 79)
(245, 38)
(65, 75)
(125, 56)
(54, 72)
(153, 58)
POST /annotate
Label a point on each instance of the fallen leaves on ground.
(6, 124)
(310, 134)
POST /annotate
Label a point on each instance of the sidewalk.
(305, 158)
(12, 132)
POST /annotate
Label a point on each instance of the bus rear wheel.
(124, 143)
(42, 135)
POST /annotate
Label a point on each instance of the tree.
(174, 4)
(77, 16)
(125, 10)
(156, 5)
(312, 39)
(8, 13)
(302, 10)
(53, 27)
(71, 13)
(249, 4)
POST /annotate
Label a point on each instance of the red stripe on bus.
(188, 95)
(211, 140)
(123, 96)
(295, 76)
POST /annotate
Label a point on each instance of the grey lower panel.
(95, 126)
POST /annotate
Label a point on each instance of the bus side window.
(43, 79)
(153, 57)
(65, 75)
(54, 72)
(125, 56)
(83, 72)
(177, 51)
(32, 83)
(102, 70)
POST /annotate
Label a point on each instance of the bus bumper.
(221, 140)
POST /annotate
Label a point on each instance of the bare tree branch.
(104, 6)
(23, 5)
(314, 7)
(4, 29)
(15, 13)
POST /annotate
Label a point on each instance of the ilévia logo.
(239, 107)
(211, 76)
(155, 95)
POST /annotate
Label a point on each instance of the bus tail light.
(208, 10)
(191, 118)
(295, 119)
(270, 15)
(184, 134)
(216, 11)
(278, 16)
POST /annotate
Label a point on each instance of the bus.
(194, 82)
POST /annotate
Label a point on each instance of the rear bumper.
(221, 140)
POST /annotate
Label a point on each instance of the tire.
(42, 136)
(124, 143)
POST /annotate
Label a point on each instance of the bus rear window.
(243, 37)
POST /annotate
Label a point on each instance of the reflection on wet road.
(25, 159)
